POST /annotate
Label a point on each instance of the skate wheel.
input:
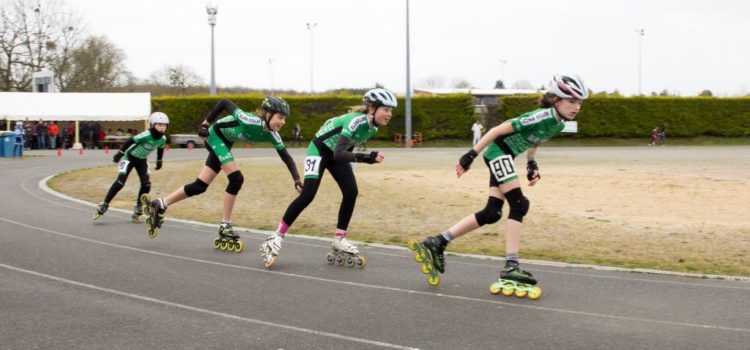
(145, 200)
(508, 290)
(535, 293)
(427, 268)
(496, 288)
(223, 245)
(239, 246)
(230, 246)
(412, 244)
(521, 293)
(349, 261)
(433, 280)
(217, 243)
(95, 217)
(339, 260)
(420, 256)
(361, 262)
(330, 259)
(269, 263)
(152, 233)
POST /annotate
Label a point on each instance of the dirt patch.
(673, 208)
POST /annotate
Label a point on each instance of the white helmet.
(568, 86)
(158, 118)
(380, 97)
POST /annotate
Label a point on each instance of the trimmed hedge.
(434, 116)
(636, 116)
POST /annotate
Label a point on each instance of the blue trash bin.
(8, 142)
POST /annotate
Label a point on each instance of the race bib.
(312, 165)
(122, 167)
(502, 167)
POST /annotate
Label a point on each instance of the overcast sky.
(689, 45)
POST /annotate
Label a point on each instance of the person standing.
(297, 134)
(53, 131)
(477, 132)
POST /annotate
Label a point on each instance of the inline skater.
(501, 145)
(133, 155)
(220, 135)
(331, 149)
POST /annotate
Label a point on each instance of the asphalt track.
(66, 283)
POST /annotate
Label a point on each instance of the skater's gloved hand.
(371, 158)
(466, 159)
(532, 172)
(158, 164)
(203, 131)
(116, 158)
(298, 185)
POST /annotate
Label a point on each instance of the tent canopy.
(75, 106)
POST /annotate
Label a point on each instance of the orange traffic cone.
(80, 151)
(106, 149)
(59, 152)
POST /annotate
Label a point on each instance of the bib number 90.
(503, 168)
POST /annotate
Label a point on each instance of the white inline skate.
(345, 252)
(269, 250)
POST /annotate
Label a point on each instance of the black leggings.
(343, 175)
(141, 167)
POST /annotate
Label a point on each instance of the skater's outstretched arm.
(122, 150)
(342, 153)
(289, 161)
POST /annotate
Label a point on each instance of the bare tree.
(460, 83)
(523, 84)
(98, 65)
(433, 82)
(33, 36)
(179, 77)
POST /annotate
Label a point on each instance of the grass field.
(670, 208)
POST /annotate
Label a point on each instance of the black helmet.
(275, 104)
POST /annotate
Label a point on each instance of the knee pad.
(491, 213)
(195, 188)
(235, 182)
(519, 204)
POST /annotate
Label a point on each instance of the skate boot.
(430, 253)
(269, 250)
(100, 210)
(154, 215)
(514, 280)
(345, 252)
(228, 240)
(137, 212)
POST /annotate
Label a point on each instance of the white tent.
(75, 107)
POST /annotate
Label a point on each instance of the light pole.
(641, 33)
(270, 63)
(502, 71)
(407, 111)
(310, 27)
(212, 10)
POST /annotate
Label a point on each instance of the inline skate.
(269, 250)
(154, 215)
(100, 210)
(228, 240)
(345, 252)
(430, 254)
(515, 281)
(137, 213)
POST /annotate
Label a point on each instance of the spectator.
(41, 134)
(70, 135)
(20, 139)
(654, 136)
(477, 130)
(53, 131)
(297, 135)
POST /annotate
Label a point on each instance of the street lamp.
(407, 116)
(641, 33)
(502, 71)
(212, 10)
(310, 27)
(270, 63)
